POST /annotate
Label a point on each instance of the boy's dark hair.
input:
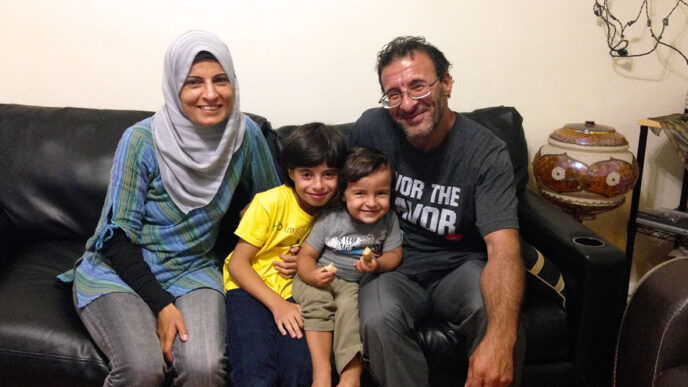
(362, 162)
(405, 45)
(311, 144)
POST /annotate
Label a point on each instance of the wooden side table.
(676, 127)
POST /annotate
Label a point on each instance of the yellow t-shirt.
(274, 222)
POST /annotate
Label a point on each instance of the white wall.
(306, 60)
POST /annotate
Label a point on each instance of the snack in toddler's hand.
(367, 254)
(330, 267)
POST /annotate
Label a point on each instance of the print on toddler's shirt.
(355, 246)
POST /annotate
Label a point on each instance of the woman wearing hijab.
(147, 287)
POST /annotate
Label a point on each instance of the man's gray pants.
(391, 305)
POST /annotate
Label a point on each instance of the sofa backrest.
(503, 121)
(56, 166)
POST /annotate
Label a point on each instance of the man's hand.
(287, 266)
(288, 318)
(492, 364)
(170, 323)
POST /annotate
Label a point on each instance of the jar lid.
(589, 134)
(590, 126)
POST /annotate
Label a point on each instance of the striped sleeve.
(129, 182)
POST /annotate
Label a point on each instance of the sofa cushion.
(42, 337)
(444, 349)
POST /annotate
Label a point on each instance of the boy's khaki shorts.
(332, 308)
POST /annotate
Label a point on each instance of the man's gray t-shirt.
(341, 240)
(448, 199)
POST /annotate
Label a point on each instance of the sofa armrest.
(594, 271)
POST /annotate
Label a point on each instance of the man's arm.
(502, 284)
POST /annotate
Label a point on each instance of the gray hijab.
(192, 158)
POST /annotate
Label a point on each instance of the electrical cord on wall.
(616, 30)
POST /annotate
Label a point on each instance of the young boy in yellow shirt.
(265, 345)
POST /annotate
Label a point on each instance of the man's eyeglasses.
(416, 91)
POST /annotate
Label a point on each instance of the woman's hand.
(319, 277)
(288, 318)
(170, 323)
(287, 266)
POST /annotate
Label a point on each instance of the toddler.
(329, 296)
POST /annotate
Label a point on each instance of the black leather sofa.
(54, 169)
